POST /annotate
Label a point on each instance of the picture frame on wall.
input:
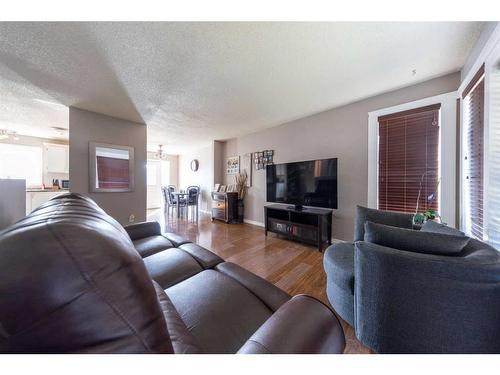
(263, 158)
(233, 165)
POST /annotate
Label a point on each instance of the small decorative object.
(246, 166)
(233, 165)
(241, 184)
(222, 189)
(428, 214)
(263, 158)
(194, 165)
(216, 187)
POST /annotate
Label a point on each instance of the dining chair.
(170, 199)
(193, 199)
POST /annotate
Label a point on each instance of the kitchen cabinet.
(36, 198)
(56, 158)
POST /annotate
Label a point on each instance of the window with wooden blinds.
(409, 160)
(473, 122)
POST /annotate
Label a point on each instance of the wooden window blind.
(112, 173)
(409, 160)
(473, 120)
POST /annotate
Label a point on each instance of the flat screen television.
(303, 183)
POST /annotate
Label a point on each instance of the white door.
(158, 175)
(154, 184)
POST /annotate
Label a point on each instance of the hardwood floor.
(294, 267)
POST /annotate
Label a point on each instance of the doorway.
(158, 175)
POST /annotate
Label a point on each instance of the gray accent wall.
(85, 127)
(340, 132)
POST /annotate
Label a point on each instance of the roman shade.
(409, 159)
(473, 122)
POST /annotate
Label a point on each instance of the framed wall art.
(263, 158)
(233, 165)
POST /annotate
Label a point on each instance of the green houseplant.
(428, 213)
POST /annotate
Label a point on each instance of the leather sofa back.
(72, 281)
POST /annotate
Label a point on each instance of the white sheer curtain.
(492, 165)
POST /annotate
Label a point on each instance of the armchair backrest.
(395, 219)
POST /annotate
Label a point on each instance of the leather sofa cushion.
(152, 245)
(364, 214)
(171, 266)
(287, 332)
(268, 293)
(338, 262)
(176, 239)
(205, 257)
(218, 311)
(72, 281)
(142, 230)
(414, 240)
(183, 342)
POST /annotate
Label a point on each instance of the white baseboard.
(257, 223)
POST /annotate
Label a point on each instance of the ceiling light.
(160, 154)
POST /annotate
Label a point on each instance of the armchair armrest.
(142, 230)
(301, 325)
(408, 302)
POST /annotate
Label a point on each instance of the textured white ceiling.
(195, 82)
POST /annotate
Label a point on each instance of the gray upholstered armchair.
(401, 301)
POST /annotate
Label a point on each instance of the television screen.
(304, 183)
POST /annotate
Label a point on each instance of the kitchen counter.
(35, 190)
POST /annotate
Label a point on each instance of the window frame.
(39, 183)
(397, 119)
(463, 143)
(447, 151)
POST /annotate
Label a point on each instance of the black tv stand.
(310, 225)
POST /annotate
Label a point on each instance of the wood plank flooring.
(293, 267)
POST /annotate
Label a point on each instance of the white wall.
(341, 132)
(203, 177)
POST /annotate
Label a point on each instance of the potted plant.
(240, 180)
(428, 213)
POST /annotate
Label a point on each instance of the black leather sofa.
(72, 281)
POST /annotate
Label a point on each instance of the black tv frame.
(300, 207)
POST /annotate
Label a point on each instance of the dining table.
(178, 196)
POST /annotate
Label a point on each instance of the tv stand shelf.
(310, 225)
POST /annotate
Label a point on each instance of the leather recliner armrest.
(143, 230)
(303, 325)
